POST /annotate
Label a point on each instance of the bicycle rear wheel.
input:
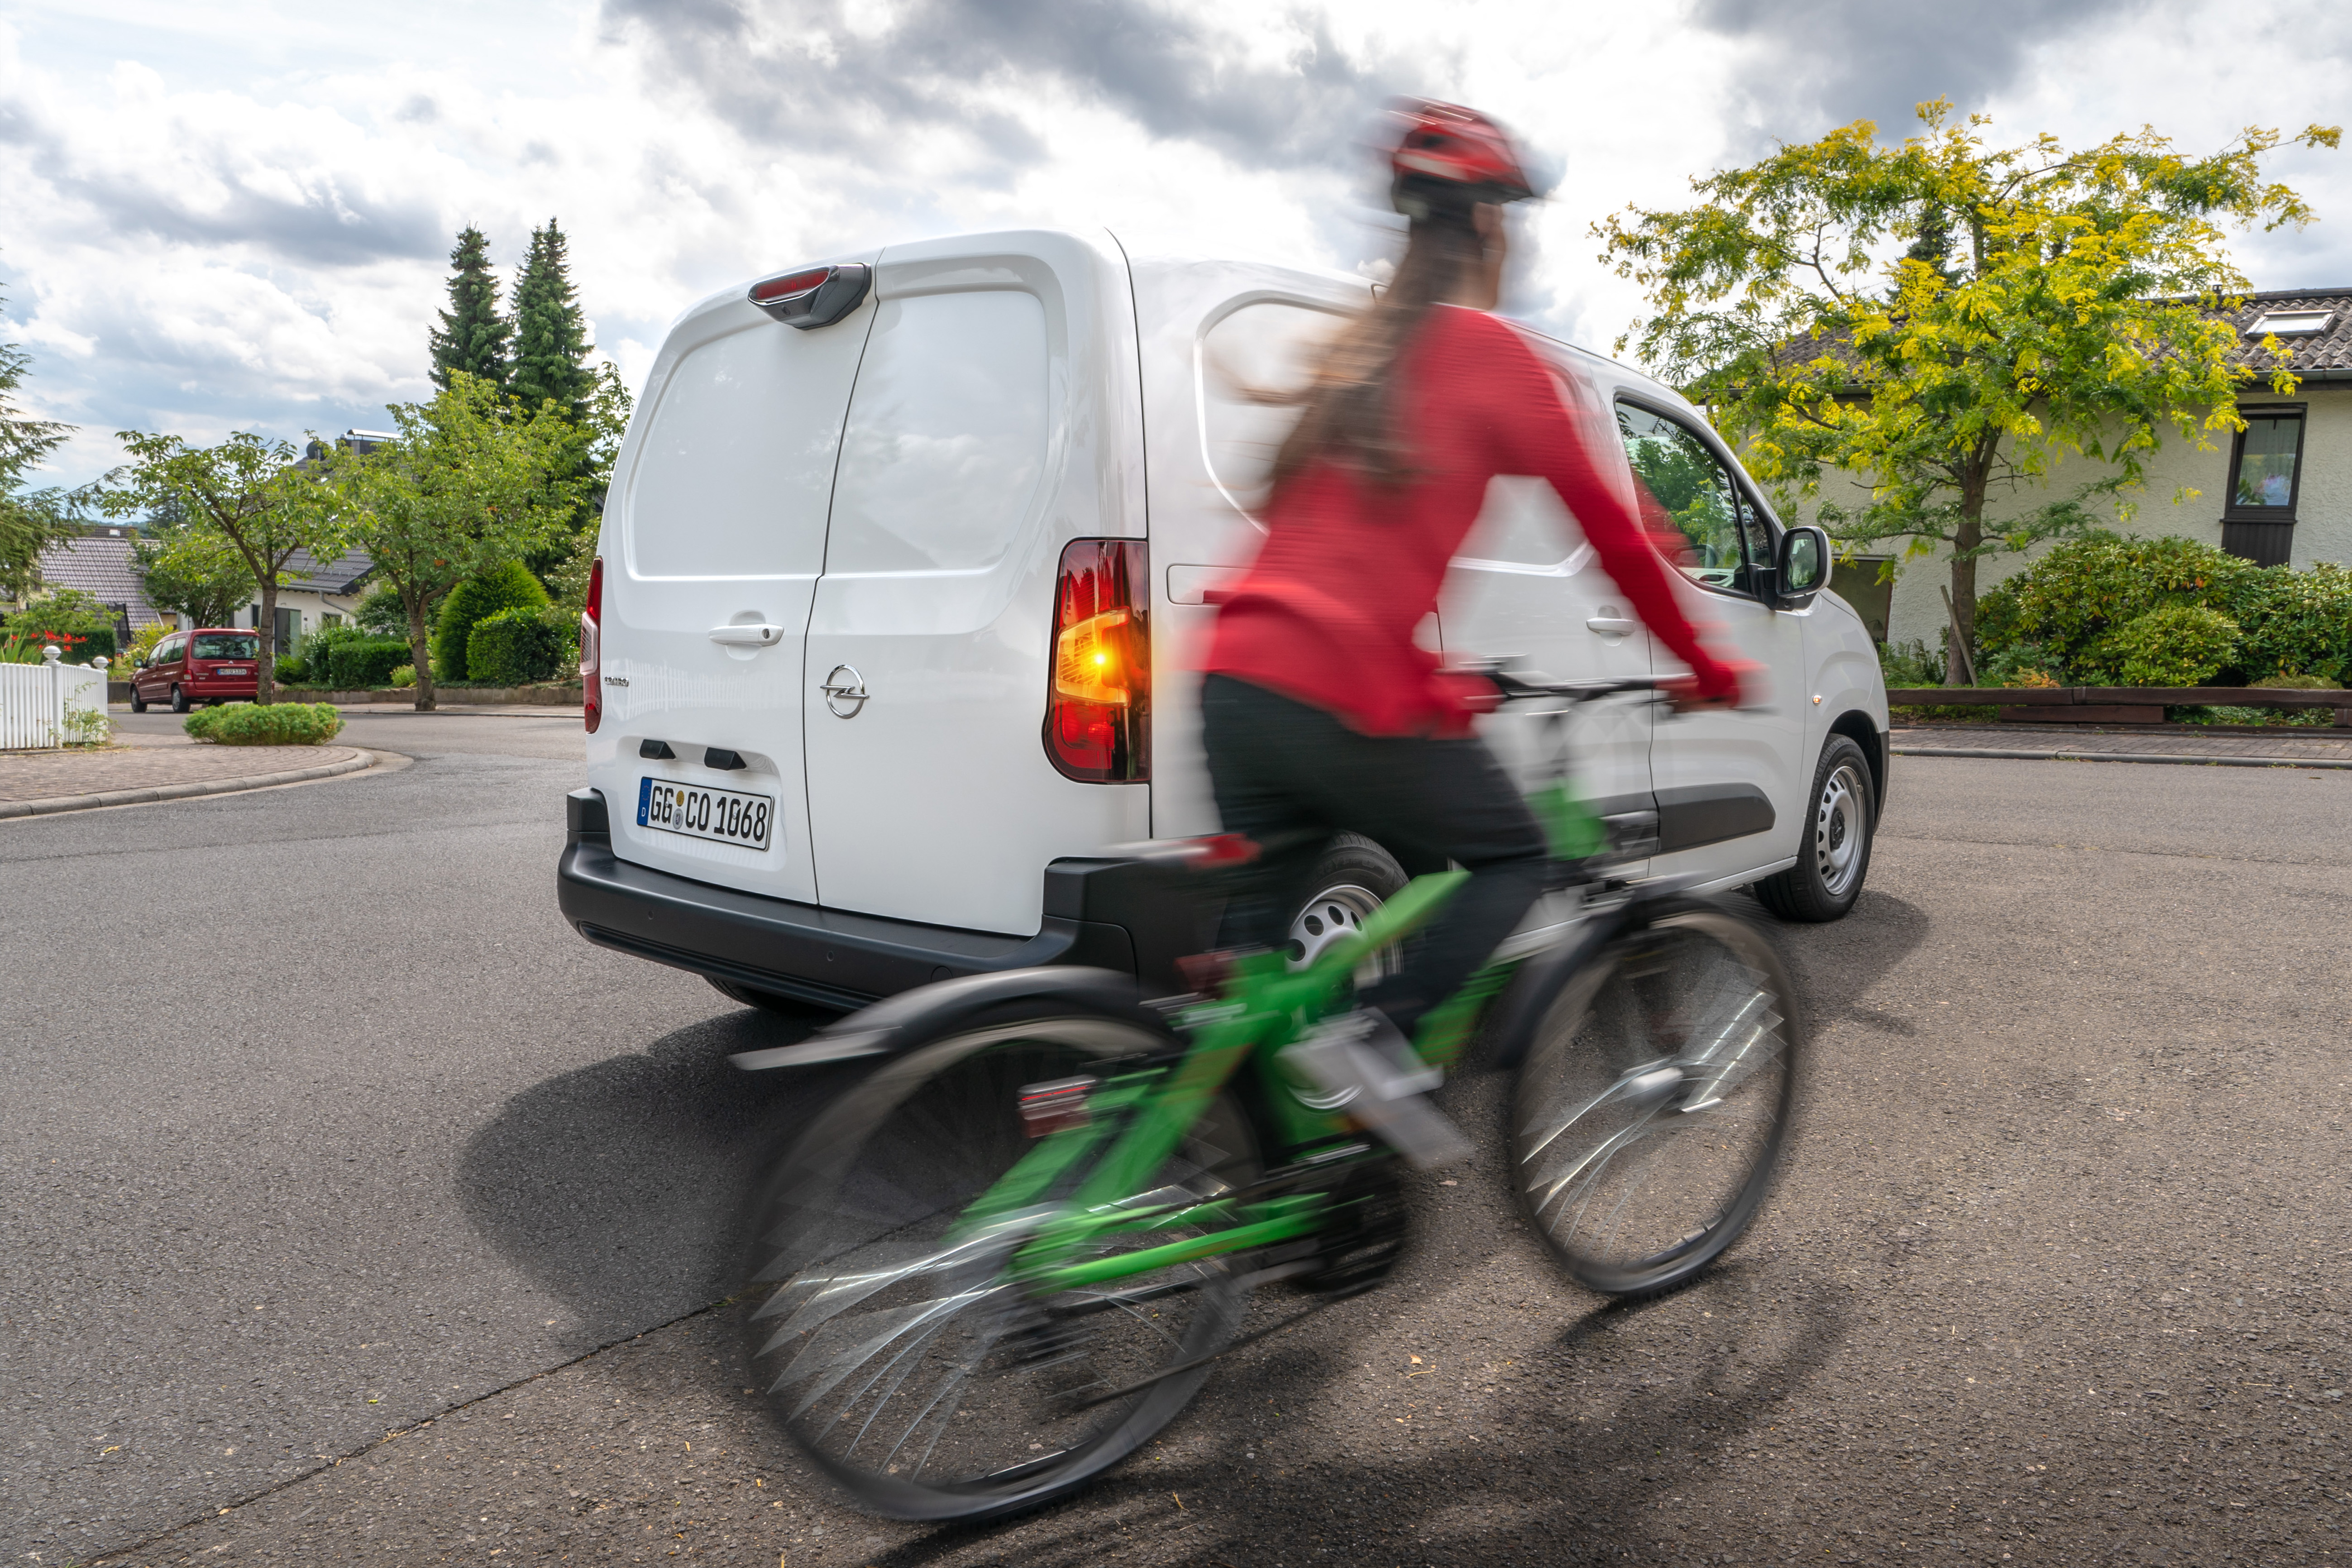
(896, 1353)
(1655, 1098)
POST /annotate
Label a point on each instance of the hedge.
(279, 724)
(365, 662)
(516, 647)
(2106, 610)
(507, 587)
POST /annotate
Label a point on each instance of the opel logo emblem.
(844, 691)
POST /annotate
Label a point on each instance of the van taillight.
(592, 649)
(1098, 698)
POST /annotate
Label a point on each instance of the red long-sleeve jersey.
(1348, 568)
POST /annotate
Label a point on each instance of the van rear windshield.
(226, 644)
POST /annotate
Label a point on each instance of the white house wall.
(2323, 506)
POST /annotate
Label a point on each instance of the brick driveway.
(47, 775)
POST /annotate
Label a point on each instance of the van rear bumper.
(1096, 913)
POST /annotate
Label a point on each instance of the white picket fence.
(34, 699)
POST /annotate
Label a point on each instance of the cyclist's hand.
(1723, 684)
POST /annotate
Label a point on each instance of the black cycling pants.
(1281, 767)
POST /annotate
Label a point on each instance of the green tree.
(470, 483)
(30, 520)
(475, 336)
(1953, 319)
(246, 496)
(552, 346)
(188, 571)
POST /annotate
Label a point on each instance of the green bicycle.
(1009, 1256)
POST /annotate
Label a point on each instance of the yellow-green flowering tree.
(1951, 319)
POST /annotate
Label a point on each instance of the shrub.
(318, 651)
(1910, 663)
(404, 676)
(2174, 644)
(2069, 614)
(292, 670)
(279, 724)
(368, 662)
(507, 587)
(381, 613)
(2298, 683)
(515, 648)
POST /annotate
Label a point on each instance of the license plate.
(730, 816)
(231, 674)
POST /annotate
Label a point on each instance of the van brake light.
(592, 649)
(815, 296)
(1098, 698)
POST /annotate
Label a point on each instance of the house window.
(2265, 476)
(2262, 468)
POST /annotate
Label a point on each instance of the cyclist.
(1319, 711)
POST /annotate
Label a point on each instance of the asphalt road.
(321, 1126)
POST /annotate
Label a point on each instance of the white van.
(862, 504)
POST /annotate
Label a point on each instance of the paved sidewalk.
(2281, 748)
(151, 768)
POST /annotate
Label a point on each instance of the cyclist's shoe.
(1359, 1064)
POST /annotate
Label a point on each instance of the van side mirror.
(1804, 569)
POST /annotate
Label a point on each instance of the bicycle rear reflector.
(1056, 1107)
(815, 296)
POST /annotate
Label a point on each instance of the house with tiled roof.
(2278, 493)
(100, 563)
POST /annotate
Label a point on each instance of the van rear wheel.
(179, 701)
(1354, 877)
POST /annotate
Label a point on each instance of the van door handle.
(1610, 626)
(757, 634)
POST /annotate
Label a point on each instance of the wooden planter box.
(2113, 704)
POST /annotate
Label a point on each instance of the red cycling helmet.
(1452, 155)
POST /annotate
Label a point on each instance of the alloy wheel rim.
(1839, 831)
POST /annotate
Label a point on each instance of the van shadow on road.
(616, 1186)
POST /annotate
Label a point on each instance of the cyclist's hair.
(1349, 401)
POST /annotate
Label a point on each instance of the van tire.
(138, 703)
(1831, 865)
(1355, 876)
(773, 1002)
(179, 701)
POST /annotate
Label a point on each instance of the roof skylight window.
(2289, 323)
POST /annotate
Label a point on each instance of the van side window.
(1699, 492)
(945, 445)
(1269, 346)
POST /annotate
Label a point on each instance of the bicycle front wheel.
(1655, 1098)
(898, 1347)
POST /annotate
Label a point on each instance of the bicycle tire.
(969, 1388)
(1654, 1102)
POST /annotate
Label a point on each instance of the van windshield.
(226, 644)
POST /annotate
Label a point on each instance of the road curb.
(60, 803)
(2063, 756)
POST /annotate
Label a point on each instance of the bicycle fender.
(882, 1029)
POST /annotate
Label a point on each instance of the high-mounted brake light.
(814, 296)
(591, 649)
(1098, 699)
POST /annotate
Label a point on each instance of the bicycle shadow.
(1540, 1481)
(616, 1186)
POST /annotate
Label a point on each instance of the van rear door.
(724, 486)
(996, 417)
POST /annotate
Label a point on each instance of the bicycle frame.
(1266, 1006)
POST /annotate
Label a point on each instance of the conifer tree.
(473, 334)
(552, 342)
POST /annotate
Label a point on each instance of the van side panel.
(996, 417)
(1209, 445)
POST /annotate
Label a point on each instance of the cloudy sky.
(229, 215)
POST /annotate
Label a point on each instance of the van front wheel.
(1833, 853)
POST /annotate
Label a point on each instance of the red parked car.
(211, 664)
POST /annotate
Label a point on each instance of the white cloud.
(238, 217)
